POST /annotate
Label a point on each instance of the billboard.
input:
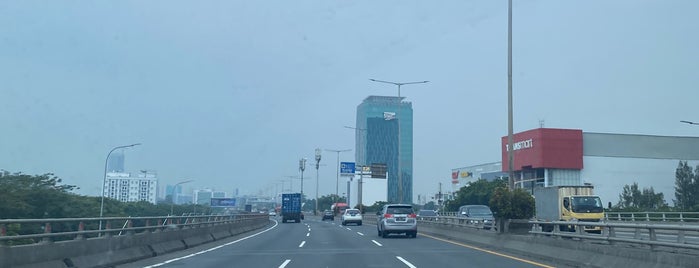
(222, 202)
(378, 170)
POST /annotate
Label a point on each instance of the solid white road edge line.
(214, 248)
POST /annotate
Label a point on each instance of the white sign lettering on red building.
(520, 145)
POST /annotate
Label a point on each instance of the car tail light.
(388, 215)
(412, 215)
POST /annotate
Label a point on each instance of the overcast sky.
(232, 93)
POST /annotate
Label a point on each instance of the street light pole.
(315, 211)
(302, 167)
(361, 172)
(337, 179)
(291, 181)
(104, 180)
(172, 197)
(510, 165)
(400, 107)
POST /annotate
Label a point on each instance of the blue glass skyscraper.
(379, 139)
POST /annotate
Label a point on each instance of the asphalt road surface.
(315, 243)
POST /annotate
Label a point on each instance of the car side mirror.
(378, 213)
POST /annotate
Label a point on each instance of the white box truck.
(568, 203)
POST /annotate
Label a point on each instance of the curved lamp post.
(400, 107)
(172, 197)
(318, 156)
(104, 180)
(337, 179)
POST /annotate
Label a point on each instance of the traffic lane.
(333, 245)
(426, 250)
(265, 248)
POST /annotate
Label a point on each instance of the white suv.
(352, 216)
(397, 219)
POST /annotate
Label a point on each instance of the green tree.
(522, 204)
(651, 200)
(37, 196)
(501, 203)
(629, 197)
(430, 205)
(375, 207)
(634, 199)
(517, 204)
(476, 193)
(686, 186)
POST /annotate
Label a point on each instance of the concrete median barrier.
(108, 251)
(568, 252)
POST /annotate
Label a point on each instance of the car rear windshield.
(399, 210)
(353, 212)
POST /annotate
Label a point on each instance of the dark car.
(328, 215)
(427, 215)
(477, 214)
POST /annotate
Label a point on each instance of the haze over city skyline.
(231, 94)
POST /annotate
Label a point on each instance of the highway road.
(315, 243)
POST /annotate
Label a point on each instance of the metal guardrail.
(654, 235)
(477, 223)
(30, 231)
(653, 216)
(676, 216)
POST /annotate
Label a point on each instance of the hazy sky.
(232, 93)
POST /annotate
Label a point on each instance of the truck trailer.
(291, 207)
(568, 203)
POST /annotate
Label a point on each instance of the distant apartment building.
(174, 193)
(115, 162)
(203, 196)
(127, 187)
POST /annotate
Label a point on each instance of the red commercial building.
(552, 157)
(545, 156)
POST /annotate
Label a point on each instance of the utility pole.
(510, 165)
(359, 189)
(315, 211)
(439, 197)
(337, 179)
(302, 167)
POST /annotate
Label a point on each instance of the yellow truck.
(568, 203)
